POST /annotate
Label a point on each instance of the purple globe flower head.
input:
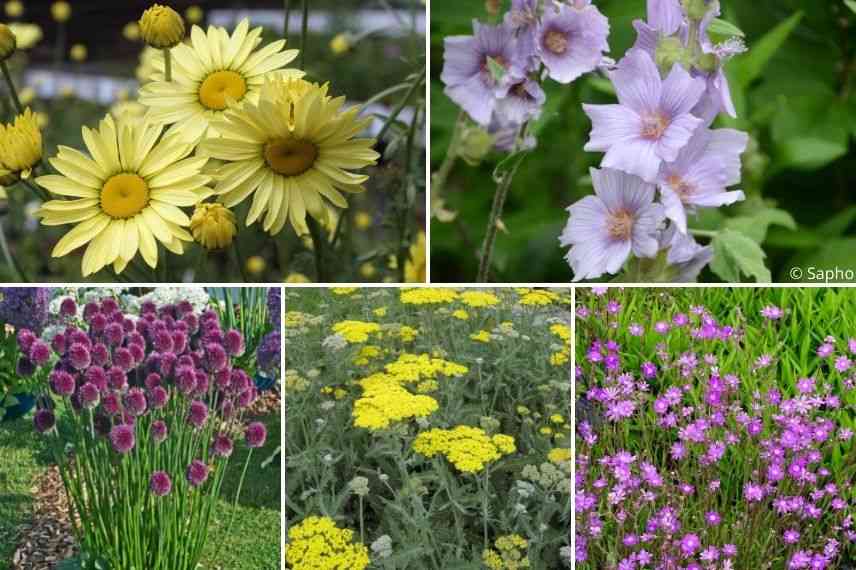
(44, 420)
(223, 379)
(186, 380)
(570, 41)
(117, 378)
(152, 380)
(185, 360)
(110, 404)
(234, 343)
(210, 316)
(78, 356)
(240, 381)
(167, 361)
(89, 396)
(25, 339)
(40, 352)
(247, 397)
(197, 415)
(160, 484)
(163, 341)
(222, 445)
(136, 338)
(62, 383)
(25, 367)
(216, 356)
(122, 438)
(98, 323)
(158, 431)
(686, 256)
(197, 473)
(603, 229)
(90, 310)
(227, 408)
(129, 326)
(651, 123)
(68, 308)
(25, 307)
(179, 342)
(183, 307)
(137, 352)
(114, 334)
(58, 344)
(466, 69)
(256, 435)
(100, 354)
(123, 359)
(202, 383)
(96, 375)
(192, 322)
(702, 171)
(109, 306)
(75, 335)
(158, 397)
(135, 402)
(148, 307)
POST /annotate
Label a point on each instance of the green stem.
(438, 181)
(304, 32)
(59, 46)
(318, 243)
(287, 18)
(13, 93)
(237, 251)
(395, 112)
(11, 260)
(39, 192)
(704, 233)
(167, 64)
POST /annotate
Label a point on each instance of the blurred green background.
(372, 63)
(795, 92)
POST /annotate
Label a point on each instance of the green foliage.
(735, 254)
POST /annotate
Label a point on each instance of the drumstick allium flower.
(605, 228)
(293, 152)
(127, 197)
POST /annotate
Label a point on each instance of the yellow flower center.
(556, 42)
(290, 157)
(654, 126)
(683, 189)
(620, 225)
(218, 86)
(124, 195)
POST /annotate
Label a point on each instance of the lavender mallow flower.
(686, 256)
(466, 71)
(651, 123)
(570, 41)
(701, 173)
(603, 229)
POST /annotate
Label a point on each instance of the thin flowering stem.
(304, 34)
(438, 180)
(167, 64)
(287, 10)
(318, 245)
(704, 233)
(11, 260)
(13, 93)
(418, 81)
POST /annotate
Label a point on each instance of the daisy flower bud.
(213, 226)
(21, 141)
(162, 27)
(8, 42)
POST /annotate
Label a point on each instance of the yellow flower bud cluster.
(510, 553)
(468, 448)
(316, 542)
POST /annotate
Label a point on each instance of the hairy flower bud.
(162, 27)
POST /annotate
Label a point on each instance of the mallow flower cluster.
(495, 75)
(694, 454)
(151, 411)
(663, 161)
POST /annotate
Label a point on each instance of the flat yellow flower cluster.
(562, 356)
(406, 333)
(318, 544)
(355, 331)
(366, 354)
(479, 299)
(468, 448)
(385, 400)
(559, 455)
(427, 296)
(481, 336)
(343, 290)
(538, 297)
(510, 555)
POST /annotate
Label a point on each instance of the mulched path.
(47, 538)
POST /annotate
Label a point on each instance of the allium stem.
(502, 188)
(13, 94)
(167, 64)
(304, 32)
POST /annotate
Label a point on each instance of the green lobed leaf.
(736, 254)
(749, 67)
(756, 225)
(851, 4)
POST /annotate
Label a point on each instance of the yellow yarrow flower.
(61, 11)
(427, 296)
(538, 297)
(511, 555)
(479, 299)
(209, 74)
(468, 448)
(20, 145)
(316, 543)
(128, 194)
(355, 331)
(481, 336)
(296, 277)
(213, 226)
(416, 267)
(293, 152)
(385, 402)
(380, 312)
(461, 314)
(559, 455)
(161, 27)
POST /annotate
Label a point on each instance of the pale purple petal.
(637, 82)
(676, 136)
(588, 221)
(680, 92)
(611, 124)
(674, 207)
(727, 145)
(461, 60)
(665, 15)
(475, 97)
(685, 254)
(645, 230)
(646, 38)
(635, 156)
(523, 102)
(571, 41)
(621, 191)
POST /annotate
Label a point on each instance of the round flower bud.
(213, 226)
(78, 52)
(14, 8)
(8, 42)
(162, 27)
(61, 11)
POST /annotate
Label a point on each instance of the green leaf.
(735, 254)
(724, 29)
(811, 153)
(653, 270)
(749, 67)
(605, 86)
(756, 226)
(835, 255)
(838, 224)
(851, 4)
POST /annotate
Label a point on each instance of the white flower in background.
(197, 296)
(382, 547)
(334, 342)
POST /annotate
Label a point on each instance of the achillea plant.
(152, 408)
(719, 436)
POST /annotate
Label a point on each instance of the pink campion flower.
(851, 345)
(636, 329)
(690, 544)
(825, 350)
(570, 41)
(791, 536)
(729, 550)
(603, 229)
(805, 385)
(698, 178)
(709, 554)
(800, 559)
(842, 363)
(772, 313)
(651, 123)
(753, 493)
